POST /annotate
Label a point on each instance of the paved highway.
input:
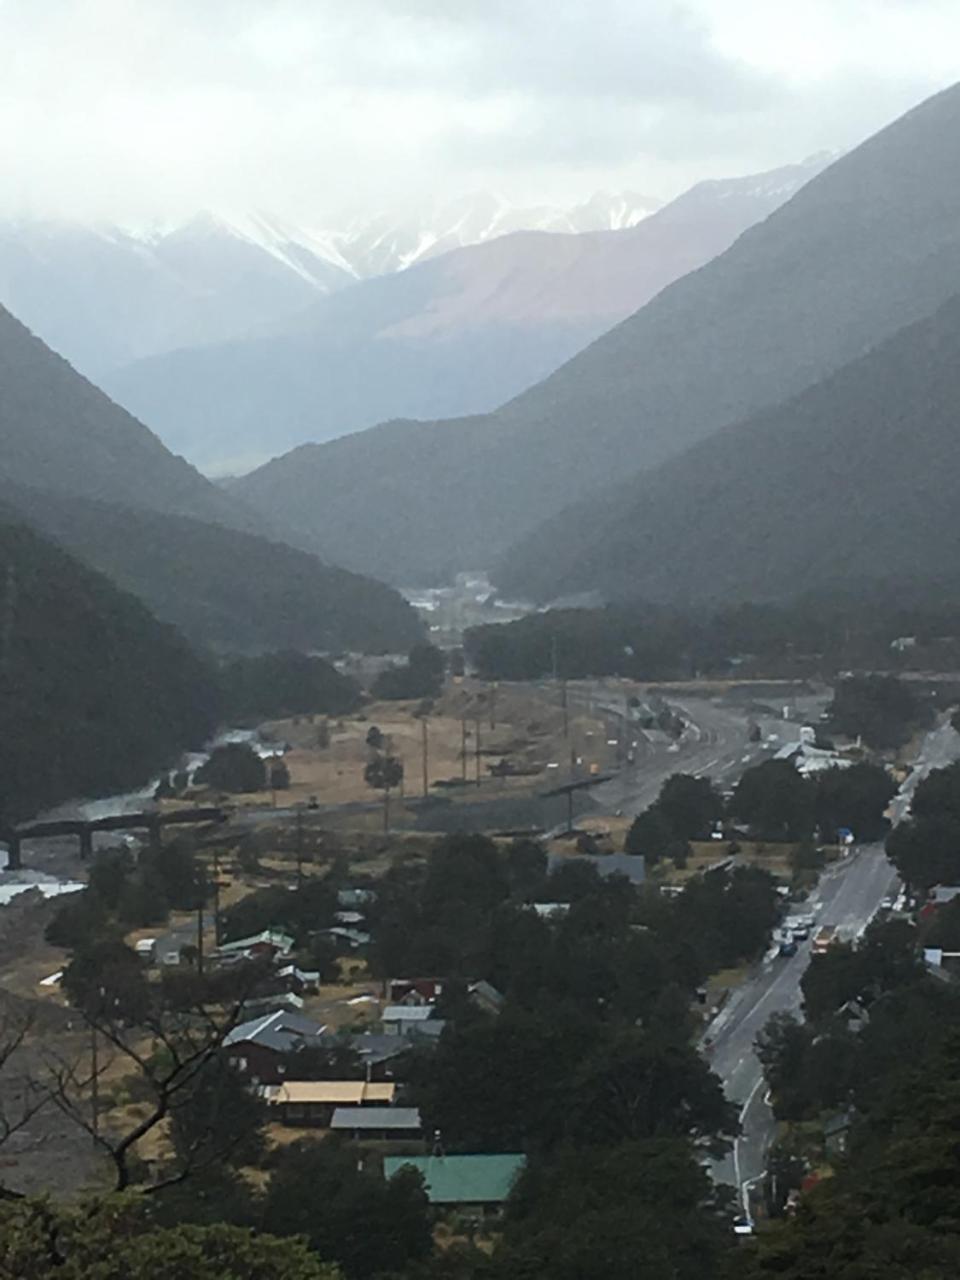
(847, 896)
(716, 745)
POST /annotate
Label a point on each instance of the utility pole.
(6, 626)
(216, 897)
(299, 845)
(200, 937)
(563, 704)
(493, 705)
(94, 1085)
(476, 751)
(463, 748)
(423, 736)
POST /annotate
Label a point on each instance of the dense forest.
(94, 692)
(889, 628)
(226, 589)
(270, 685)
(770, 506)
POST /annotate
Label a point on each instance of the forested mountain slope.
(60, 431)
(225, 589)
(866, 247)
(95, 694)
(77, 466)
(854, 480)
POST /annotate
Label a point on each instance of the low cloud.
(132, 108)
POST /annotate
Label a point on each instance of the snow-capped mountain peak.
(381, 244)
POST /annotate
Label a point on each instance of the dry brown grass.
(523, 724)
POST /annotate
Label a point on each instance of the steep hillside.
(869, 245)
(852, 481)
(57, 429)
(458, 333)
(95, 694)
(225, 589)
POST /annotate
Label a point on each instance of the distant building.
(808, 759)
(550, 910)
(352, 899)
(485, 996)
(257, 1049)
(939, 896)
(346, 937)
(313, 1102)
(380, 1055)
(406, 1019)
(632, 866)
(378, 1124)
(414, 991)
(270, 942)
(480, 1183)
(836, 1132)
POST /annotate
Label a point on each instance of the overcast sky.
(134, 109)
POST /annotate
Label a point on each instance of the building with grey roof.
(377, 1123)
(632, 866)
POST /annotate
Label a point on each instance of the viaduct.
(85, 829)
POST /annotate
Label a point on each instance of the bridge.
(151, 821)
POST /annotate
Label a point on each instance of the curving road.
(716, 745)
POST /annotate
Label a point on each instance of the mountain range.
(377, 244)
(456, 332)
(868, 246)
(77, 466)
(106, 295)
(103, 296)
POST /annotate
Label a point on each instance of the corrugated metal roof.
(376, 1118)
(334, 1092)
(280, 1030)
(273, 937)
(374, 1048)
(483, 1179)
(406, 1013)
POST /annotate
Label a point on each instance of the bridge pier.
(14, 862)
(153, 834)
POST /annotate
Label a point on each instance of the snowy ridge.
(380, 244)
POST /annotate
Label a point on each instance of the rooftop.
(485, 1179)
(280, 1030)
(332, 1092)
(406, 1013)
(630, 865)
(268, 937)
(376, 1118)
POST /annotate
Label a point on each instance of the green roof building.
(484, 1181)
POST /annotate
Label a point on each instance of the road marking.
(736, 1147)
